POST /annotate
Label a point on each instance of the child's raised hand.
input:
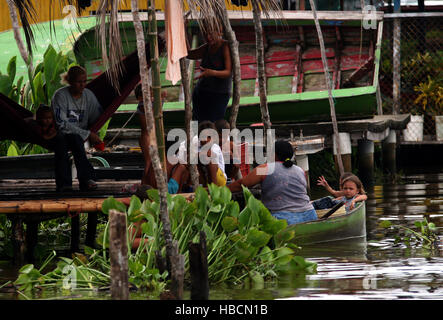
(322, 182)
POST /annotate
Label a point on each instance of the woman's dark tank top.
(215, 61)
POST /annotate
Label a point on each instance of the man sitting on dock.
(75, 108)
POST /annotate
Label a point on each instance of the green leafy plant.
(430, 97)
(425, 235)
(245, 246)
(7, 85)
(46, 78)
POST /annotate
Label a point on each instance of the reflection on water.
(377, 268)
(371, 268)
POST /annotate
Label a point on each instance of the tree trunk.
(188, 117)
(233, 45)
(156, 84)
(21, 46)
(328, 85)
(261, 68)
(150, 125)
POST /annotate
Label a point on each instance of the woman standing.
(75, 108)
(213, 89)
(283, 186)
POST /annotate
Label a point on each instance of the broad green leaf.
(266, 254)
(274, 226)
(254, 205)
(385, 224)
(5, 85)
(235, 237)
(234, 209)
(432, 226)
(257, 281)
(112, 204)
(12, 68)
(258, 238)
(242, 252)
(153, 195)
(229, 224)
(284, 236)
(134, 206)
(26, 268)
(12, 151)
(283, 255)
(247, 194)
(244, 217)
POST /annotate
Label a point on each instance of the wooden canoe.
(296, 88)
(339, 226)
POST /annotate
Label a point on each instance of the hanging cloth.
(175, 39)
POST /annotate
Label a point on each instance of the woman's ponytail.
(288, 163)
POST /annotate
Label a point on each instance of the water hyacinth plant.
(243, 246)
(424, 235)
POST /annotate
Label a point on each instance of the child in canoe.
(351, 191)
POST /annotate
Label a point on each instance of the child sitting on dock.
(351, 191)
(232, 165)
(46, 122)
(212, 168)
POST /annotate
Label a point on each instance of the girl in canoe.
(283, 186)
(351, 191)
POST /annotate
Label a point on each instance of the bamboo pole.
(150, 125)
(235, 57)
(328, 85)
(260, 53)
(118, 254)
(188, 117)
(156, 83)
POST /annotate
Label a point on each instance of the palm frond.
(108, 34)
(27, 14)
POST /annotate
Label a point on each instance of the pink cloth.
(175, 39)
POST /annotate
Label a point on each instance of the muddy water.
(373, 268)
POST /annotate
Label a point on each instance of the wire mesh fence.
(415, 84)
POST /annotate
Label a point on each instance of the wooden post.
(366, 161)
(75, 232)
(328, 85)
(118, 253)
(389, 146)
(18, 240)
(303, 162)
(31, 239)
(396, 61)
(91, 229)
(177, 272)
(198, 268)
(345, 151)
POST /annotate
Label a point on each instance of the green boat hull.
(349, 226)
(299, 107)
